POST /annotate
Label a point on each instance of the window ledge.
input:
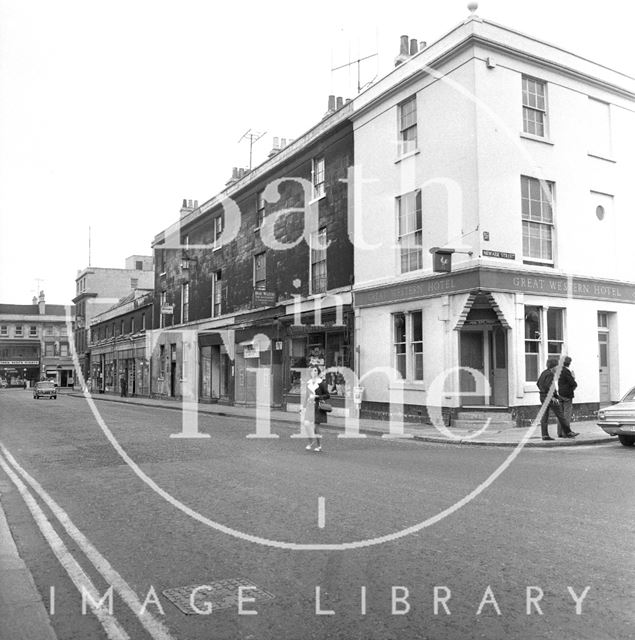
(530, 387)
(598, 157)
(405, 156)
(530, 136)
(538, 263)
(314, 200)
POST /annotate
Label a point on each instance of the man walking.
(546, 384)
(566, 386)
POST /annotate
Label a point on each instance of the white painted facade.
(470, 155)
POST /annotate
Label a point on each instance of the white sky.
(112, 113)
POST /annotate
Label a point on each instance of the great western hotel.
(513, 160)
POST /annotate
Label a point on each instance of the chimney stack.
(41, 304)
(34, 301)
(188, 206)
(406, 52)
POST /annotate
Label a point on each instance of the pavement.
(23, 615)
(494, 435)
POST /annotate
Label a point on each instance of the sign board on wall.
(167, 309)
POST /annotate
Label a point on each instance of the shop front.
(327, 345)
(216, 369)
(258, 367)
(18, 373)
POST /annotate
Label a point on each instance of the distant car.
(619, 419)
(45, 390)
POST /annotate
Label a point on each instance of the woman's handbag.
(323, 405)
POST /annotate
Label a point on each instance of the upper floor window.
(537, 216)
(217, 230)
(123, 326)
(138, 265)
(599, 128)
(132, 323)
(4, 330)
(410, 231)
(63, 349)
(408, 344)
(217, 294)
(318, 261)
(317, 177)
(162, 301)
(185, 302)
(408, 125)
(143, 322)
(260, 271)
(33, 330)
(18, 330)
(49, 349)
(534, 106)
(260, 208)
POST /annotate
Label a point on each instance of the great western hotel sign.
(498, 280)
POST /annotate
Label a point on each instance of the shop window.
(538, 345)
(318, 261)
(408, 344)
(410, 231)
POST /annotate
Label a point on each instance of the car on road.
(45, 390)
(619, 419)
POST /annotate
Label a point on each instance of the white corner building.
(520, 157)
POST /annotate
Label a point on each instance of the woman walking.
(313, 415)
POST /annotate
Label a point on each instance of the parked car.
(45, 390)
(619, 419)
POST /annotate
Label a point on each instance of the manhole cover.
(221, 594)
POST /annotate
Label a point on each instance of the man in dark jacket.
(566, 386)
(546, 385)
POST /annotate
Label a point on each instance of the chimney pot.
(34, 301)
(331, 103)
(413, 46)
(403, 50)
(196, 204)
(340, 102)
(276, 143)
(189, 204)
(184, 203)
(283, 142)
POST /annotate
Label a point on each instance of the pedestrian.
(124, 385)
(546, 385)
(566, 386)
(313, 416)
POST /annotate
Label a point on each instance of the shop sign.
(20, 363)
(167, 309)
(358, 392)
(278, 345)
(251, 351)
(263, 298)
(487, 253)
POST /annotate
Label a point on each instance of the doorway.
(604, 357)
(471, 356)
(498, 374)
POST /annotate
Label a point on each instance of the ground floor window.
(322, 349)
(539, 345)
(408, 344)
